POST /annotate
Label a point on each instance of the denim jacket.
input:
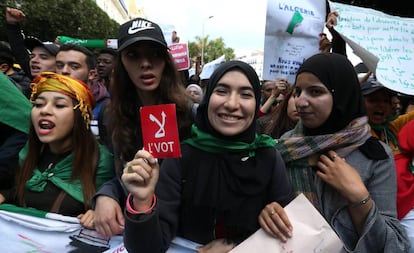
(382, 231)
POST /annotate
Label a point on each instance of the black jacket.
(11, 141)
(22, 81)
(20, 52)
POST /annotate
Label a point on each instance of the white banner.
(209, 68)
(26, 233)
(385, 44)
(291, 36)
(23, 233)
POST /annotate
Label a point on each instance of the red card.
(160, 131)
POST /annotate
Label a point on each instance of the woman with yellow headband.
(62, 164)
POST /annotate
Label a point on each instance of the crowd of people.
(71, 143)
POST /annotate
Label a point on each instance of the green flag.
(38, 213)
(296, 19)
(15, 107)
(91, 43)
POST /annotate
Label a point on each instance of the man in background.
(14, 73)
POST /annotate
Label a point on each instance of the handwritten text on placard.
(389, 38)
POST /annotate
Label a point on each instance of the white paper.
(311, 233)
(285, 50)
(209, 68)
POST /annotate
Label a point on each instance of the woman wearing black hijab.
(332, 158)
(227, 174)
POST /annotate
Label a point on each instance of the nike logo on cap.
(139, 25)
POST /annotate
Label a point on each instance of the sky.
(241, 24)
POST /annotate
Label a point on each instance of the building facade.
(120, 10)
(255, 59)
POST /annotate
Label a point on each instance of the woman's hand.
(109, 219)
(273, 219)
(86, 219)
(336, 172)
(282, 87)
(140, 177)
(332, 19)
(325, 45)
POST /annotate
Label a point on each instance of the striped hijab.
(301, 153)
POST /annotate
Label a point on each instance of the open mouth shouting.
(45, 127)
(34, 69)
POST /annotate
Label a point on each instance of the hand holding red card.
(160, 131)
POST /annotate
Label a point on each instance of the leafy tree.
(212, 49)
(47, 19)
(217, 48)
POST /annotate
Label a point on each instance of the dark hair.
(124, 108)
(90, 57)
(279, 122)
(84, 165)
(110, 51)
(6, 55)
(193, 79)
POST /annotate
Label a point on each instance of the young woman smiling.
(215, 203)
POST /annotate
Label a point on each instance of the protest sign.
(30, 230)
(180, 54)
(383, 42)
(160, 131)
(291, 36)
(209, 67)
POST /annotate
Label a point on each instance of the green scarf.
(209, 143)
(384, 127)
(60, 175)
(15, 107)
